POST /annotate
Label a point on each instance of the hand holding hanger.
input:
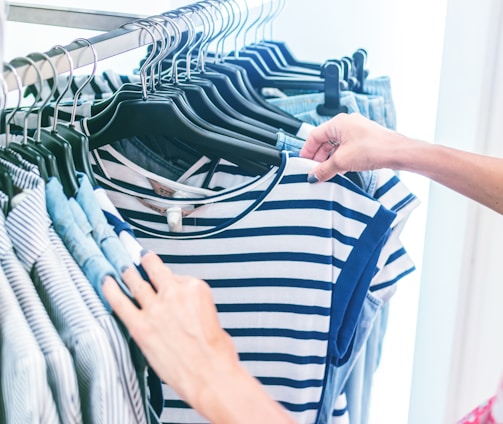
(354, 143)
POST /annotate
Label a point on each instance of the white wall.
(460, 316)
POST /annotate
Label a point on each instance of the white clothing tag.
(174, 218)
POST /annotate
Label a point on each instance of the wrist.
(407, 153)
(234, 395)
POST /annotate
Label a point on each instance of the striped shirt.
(103, 399)
(289, 263)
(25, 396)
(60, 367)
(116, 338)
(394, 263)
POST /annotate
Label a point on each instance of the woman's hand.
(350, 143)
(177, 329)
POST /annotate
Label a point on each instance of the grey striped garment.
(102, 397)
(26, 396)
(60, 369)
(115, 336)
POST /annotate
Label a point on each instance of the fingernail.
(124, 269)
(144, 252)
(312, 178)
(107, 280)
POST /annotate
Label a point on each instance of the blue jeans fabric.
(338, 375)
(153, 153)
(372, 107)
(358, 388)
(287, 142)
(101, 231)
(84, 250)
(303, 106)
(381, 86)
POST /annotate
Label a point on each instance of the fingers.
(158, 273)
(120, 303)
(141, 290)
(317, 146)
(323, 171)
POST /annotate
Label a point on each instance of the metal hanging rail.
(68, 17)
(106, 45)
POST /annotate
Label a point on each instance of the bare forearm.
(362, 145)
(475, 176)
(237, 397)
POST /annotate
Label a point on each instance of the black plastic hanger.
(222, 92)
(190, 100)
(203, 95)
(271, 60)
(33, 145)
(332, 73)
(48, 147)
(288, 56)
(167, 115)
(163, 118)
(24, 149)
(76, 143)
(262, 75)
(6, 186)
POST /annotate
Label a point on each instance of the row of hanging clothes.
(194, 156)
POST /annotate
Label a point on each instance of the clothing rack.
(69, 17)
(111, 43)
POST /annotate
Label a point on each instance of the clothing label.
(160, 189)
(159, 209)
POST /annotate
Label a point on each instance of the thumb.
(323, 171)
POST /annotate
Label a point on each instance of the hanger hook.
(170, 20)
(37, 97)
(195, 9)
(62, 95)
(277, 12)
(200, 9)
(239, 28)
(19, 85)
(150, 57)
(203, 52)
(229, 29)
(180, 49)
(159, 49)
(262, 25)
(253, 23)
(51, 94)
(165, 45)
(87, 81)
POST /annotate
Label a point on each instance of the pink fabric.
(480, 415)
(485, 413)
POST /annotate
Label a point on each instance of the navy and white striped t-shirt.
(289, 263)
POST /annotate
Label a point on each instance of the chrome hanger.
(10, 117)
